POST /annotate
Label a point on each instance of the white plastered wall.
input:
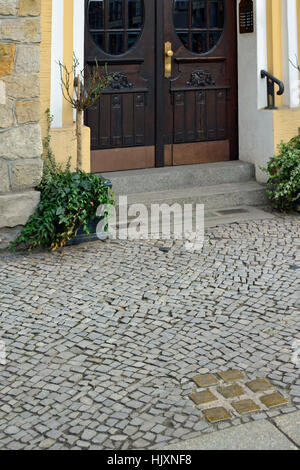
(290, 52)
(256, 142)
(57, 45)
(57, 50)
(78, 34)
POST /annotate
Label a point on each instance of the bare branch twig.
(82, 89)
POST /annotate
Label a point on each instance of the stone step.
(215, 197)
(180, 177)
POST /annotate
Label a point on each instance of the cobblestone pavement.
(102, 342)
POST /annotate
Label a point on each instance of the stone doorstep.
(223, 196)
(176, 177)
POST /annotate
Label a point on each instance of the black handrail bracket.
(271, 80)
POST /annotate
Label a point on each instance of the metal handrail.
(271, 80)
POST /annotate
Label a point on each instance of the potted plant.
(283, 172)
(91, 234)
(68, 204)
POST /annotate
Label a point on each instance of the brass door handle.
(168, 59)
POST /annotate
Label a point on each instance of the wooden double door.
(172, 98)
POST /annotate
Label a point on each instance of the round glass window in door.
(199, 23)
(115, 25)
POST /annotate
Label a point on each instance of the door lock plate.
(168, 59)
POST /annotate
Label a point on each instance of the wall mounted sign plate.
(246, 16)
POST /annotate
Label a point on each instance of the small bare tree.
(82, 88)
(295, 64)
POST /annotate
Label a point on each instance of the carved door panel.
(163, 109)
(200, 97)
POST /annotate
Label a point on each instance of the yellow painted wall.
(286, 124)
(63, 144)
(45, 77)
(68, 56)
(274, 40)
(298, 23)
(286, 120)
(63, 141)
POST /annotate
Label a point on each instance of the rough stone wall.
(20, 135)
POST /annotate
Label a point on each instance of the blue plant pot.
(297, 203)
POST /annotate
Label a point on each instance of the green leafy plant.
(51, 167)
(69, 200)
(283, 172)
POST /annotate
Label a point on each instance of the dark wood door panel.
(118, 120)
(200, 115)
(200, 99)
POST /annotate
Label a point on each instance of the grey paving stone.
(155, 321)
(46, 443)
(12, 430)
(88, 434)
(290, 425)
